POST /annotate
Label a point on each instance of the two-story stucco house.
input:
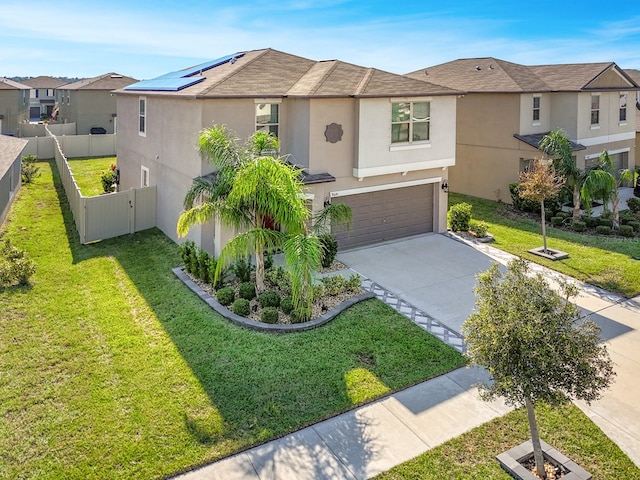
(509, 107)
(43, 96)
(10, 173)
(380, 142)
(90, 102)
(14, 105)
(635, 105)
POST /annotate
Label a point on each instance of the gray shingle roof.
(6, 84)
(489, 74)
(108, 81)
(272, 73)
(10, 149)
(44, 82)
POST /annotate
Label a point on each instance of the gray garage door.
(387, 215)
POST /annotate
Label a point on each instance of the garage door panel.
(387, 215)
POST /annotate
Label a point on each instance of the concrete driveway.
(432, 272)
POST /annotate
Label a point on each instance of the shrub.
(268, 261)
(334, 284)
(319, 291)
(562, 214)
(329, 246)
(247, 290)
(579, 226)
(634, 204)
(557, 221)
(108, 180)
(591, 222)
(626, 230)
(279, 278)
(479, 228)
(15, 265)
(187, 250)
(459, 217)
(269, 315)
(269, 299)
(604, 229)
(225, 296)
(635, 225)
(605, 222)
(242, 269)
(242, 307)
(28, 169)
(354, 282)
(203, 266)
(298, 316)
(286, 305)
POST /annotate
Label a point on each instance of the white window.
(68, 97)
(144, 176)
(268, 117)
(24, 97)
(622, 117)
(595, 110)
(37, 93)
(536, 109)
(142, 116)
(410, 122)
(49, 92)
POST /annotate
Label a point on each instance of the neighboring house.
(90, 103)
(635, 74)
(10, 177)
(14, 105)
(380, 142)
(43, 96)
(509, 107)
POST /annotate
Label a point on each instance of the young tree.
(604, 183)
(534, 344)
(557, 145)
(539, 183)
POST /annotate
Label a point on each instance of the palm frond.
(338, 213)
(220, 146)
(303, 254)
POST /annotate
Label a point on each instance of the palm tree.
(249, 189)
(557, 145)
(604, 183)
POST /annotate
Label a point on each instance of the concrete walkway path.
(437, 274)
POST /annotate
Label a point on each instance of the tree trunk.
(259, 246)
(535, 440)
(544, 227)
(576, 202)
(616, 209)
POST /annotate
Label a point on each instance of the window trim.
(621, 95)
(534, 109)
(411, 122)
(142, 116)
(595, 125)
(268, 101)
(144, 175)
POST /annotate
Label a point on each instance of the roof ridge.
(365, 81)
(320, 82)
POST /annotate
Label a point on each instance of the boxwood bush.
(626, 230)
(635, 225)
(269, 315)
(241, 307)
(604, 230)
(459, 217)
(579, 226)
(247, 290)
(286, 305)
(606, 222)
(634, 203)
(225, 296)
(269, 299)
(557, 221)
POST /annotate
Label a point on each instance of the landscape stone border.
(268, 327)
(510, 462)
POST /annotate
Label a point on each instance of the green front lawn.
(87, 172)
(111, 368)
(609, 263)
(472, 455)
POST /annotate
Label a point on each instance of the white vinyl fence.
(103, 216)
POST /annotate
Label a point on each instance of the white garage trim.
(387, 186)
(405, 167)
(616, 137)
(610, 152)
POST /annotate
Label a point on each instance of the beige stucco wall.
(488, 120)
(15, 109)
(564, 113)
(527, 125)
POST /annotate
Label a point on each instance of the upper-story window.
(595, 109)
(268, 117)
(142, 116)
(536, 109)
(49, 92)
(410, 122)
(622, 117)
(37, 93)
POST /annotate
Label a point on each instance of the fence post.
(132, 210)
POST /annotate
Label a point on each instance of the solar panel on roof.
(175, 81)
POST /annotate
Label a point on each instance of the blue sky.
(144, 39)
